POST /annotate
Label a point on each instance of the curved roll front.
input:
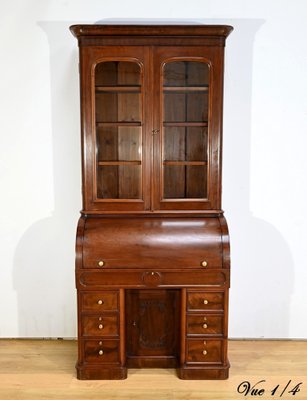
(153, 243)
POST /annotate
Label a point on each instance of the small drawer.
(103, 351)
(204, 351)
(99, 301)
(204, 325)
(199, 301)
(100, 325)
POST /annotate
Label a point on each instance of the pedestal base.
(98, 372)
(205, 373)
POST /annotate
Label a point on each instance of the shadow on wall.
(44, 259)
(262, 266)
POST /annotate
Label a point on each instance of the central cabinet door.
(152, 328)
(155, 128)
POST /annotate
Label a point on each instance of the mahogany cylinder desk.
(152, 247)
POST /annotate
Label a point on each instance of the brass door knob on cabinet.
(204, 263)
(100, 352)
(101, 263)
(100, 326)
(205, 352)
(100, 302)
(205, 326)
(206, 301)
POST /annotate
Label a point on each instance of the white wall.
(265, 167)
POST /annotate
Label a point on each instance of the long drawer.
(154, 278)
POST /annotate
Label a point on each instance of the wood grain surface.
(45, 369)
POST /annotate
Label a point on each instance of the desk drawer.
(99, 325)
(205, 325)
(202, 300)
(155, 278)
(204, 351)
(103, 351)
(99, 301)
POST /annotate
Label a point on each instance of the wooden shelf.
(112, 163)
(119, 123)
(185, 124)
(188, 163)
(123, 89)
(185, 88)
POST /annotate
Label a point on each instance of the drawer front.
(99, 325)
(204, 351)
(152, 278)
(103, 351)
(99, 301)
(204, 325)
(209, 301)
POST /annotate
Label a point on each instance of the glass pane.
(182, 181)
(186, 73)
(196, 181)
(185, 129)
(119, 182)
(117, 73)
(118, 107)
(119, 143)
(185, 144)
(174, 181)
(196, 144)
(118, 112)
(186, 107)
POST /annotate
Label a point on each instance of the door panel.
(115, 134)
(187, 120)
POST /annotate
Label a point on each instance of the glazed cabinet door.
(114, 84)
(187, 128)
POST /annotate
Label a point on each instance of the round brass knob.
(101, 263)
(100, 352)
(100, 326)
(205, 326)
(100, 302)
(206, 301)
(204, 263)
(100, 343)
(205, 352)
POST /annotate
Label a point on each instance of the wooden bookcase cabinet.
(152, 248)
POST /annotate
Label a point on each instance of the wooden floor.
(44, 369)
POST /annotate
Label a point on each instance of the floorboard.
(44, 369)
